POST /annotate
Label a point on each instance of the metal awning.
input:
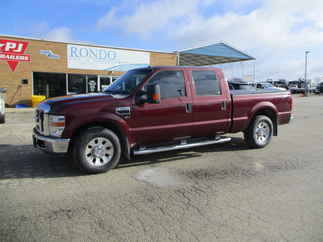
(211, 55)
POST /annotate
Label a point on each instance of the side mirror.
(141, 98)
(153, 93)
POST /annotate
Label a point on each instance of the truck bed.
(256, 91)
(246, 102)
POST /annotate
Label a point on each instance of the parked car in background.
(296, 86)
(300, 87)
(263, 85)
(157, 109)
(267, 85)
(239, 84)
(2, 105)
(281, 83)
(319, 88)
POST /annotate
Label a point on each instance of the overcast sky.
(275, 32)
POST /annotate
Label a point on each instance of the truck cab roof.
(180, 67)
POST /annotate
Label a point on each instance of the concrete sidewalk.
(20, 110)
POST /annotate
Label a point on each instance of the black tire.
(2, 119)
(253, 137)
(82, 145)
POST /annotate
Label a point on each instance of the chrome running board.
(183, 145)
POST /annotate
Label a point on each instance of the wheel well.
(109, 125)
(270, 113)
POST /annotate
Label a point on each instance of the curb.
(20, 110)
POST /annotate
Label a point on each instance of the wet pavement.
(216, 193)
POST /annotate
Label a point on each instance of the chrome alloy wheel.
(262, 132)
(99, 151)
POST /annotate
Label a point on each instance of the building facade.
(40, 67)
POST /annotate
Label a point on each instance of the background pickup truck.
(157, 109)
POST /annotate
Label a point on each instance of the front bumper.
(50, 144)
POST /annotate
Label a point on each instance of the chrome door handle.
(188, 108)
(123, 111)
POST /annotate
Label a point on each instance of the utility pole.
(306, 83)
(254, 71)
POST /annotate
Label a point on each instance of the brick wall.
(19, 93)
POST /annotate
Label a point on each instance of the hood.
(59, 103)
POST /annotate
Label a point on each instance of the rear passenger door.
(211, 103)
(170, 118)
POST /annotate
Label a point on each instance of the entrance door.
(49, 84)
(92, 83)
(76, 84)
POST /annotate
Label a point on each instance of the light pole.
(306, 83)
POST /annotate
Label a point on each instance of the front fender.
(98, 118)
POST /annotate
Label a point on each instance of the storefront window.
(59, 84)
(49, 84)
(105, 81)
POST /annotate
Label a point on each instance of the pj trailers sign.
(13, 52)
(95, 58)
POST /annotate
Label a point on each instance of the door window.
(172, 83)
(206, 83)
(92, 83)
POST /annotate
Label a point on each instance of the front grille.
(41, 119)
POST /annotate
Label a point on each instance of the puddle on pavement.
(258, 167)
(164, 177)
(161, 177)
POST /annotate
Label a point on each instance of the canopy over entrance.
(211, 55)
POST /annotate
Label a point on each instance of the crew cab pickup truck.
(157, 109)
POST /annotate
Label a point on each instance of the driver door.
(170, 119)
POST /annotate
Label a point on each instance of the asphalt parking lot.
(216, 193)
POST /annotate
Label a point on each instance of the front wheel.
(97, 150)
(259, 132)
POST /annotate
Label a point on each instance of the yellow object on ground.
(36, 99)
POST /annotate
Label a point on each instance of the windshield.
(126, 83)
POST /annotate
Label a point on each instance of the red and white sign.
(13, 52)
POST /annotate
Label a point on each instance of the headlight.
(56, 125)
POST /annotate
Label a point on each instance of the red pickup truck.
(157, 109)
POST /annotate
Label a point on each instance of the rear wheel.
(97, 150)
(259, 132)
